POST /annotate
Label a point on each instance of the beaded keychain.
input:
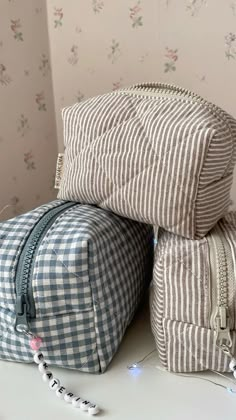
(54, 384)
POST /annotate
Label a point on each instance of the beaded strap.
(54, 384)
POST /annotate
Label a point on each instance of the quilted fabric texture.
(164, 160)
(181, 302)
(91, 270)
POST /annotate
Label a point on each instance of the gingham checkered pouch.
(72, 274)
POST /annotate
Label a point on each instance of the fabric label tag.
(59, 170)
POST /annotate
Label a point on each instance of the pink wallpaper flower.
(117, 84)
(230, 45)
(171, 59)
(135, 15)
(23, 125)
(29, 160)
(79, 96)
(40, 101)
(44, 65)
(58, 17)
(16, 29)
(115, 51)
(74, 55)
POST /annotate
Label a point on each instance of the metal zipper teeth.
(221, 280)
(25, 305)
(166, 87)
(152, 87)
(213, 302)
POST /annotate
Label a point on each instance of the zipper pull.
(21, 324)
(223, 336)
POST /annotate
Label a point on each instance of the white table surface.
(147, 394)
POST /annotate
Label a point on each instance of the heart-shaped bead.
(35, 343)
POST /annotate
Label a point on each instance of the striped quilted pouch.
(154, 153)
(193, 305)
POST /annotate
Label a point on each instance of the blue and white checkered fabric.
(90, 273)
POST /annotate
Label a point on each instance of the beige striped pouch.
(154, 153)
(193, 299)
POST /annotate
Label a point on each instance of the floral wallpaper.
(55, 52)
(98, 46)
(197, 45)
(28, 146)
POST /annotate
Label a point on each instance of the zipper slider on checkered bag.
(54, 383)
(21, 324)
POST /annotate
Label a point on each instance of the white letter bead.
(68, 397)
(47, 376)
(76, 401)
(38, 357)
(234, 374)
(85, 405)
(232, 365)
(54, 384)
(43, 367)
(61, 392)
(93, 409)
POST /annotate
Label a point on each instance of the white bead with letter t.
(54, 384)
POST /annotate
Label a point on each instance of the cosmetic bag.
(72, 275)
(193, 299)
(154, 153)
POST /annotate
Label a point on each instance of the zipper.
(167, 89)
(25, 305)
(222, 287)
(156, 94)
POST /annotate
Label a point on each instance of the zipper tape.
(25, 306)
(221, 284)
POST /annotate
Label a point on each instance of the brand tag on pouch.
(59, 170)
